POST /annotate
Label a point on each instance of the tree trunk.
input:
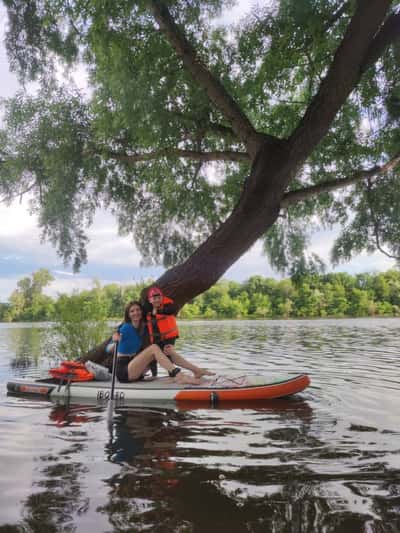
(256, 211)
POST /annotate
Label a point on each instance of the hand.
(116, 337)
(168, 349)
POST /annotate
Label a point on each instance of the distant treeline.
(308, 296)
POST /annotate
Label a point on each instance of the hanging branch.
(343, 75)
(293, 197)
(187, 154)
(376, 225)
(218, 95)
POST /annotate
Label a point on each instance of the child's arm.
(168, 309)
(147, 308)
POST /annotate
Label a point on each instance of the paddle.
(114, 372)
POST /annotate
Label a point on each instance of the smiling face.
(135, 313)
(155, 299)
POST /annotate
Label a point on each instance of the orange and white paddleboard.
(213, 389)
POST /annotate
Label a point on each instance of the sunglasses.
(155, 296)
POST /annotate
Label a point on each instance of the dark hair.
(128, 308)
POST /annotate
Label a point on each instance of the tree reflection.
(196, 468)
(165, 484)
(142, 494)
(27, 344)
(60, 500)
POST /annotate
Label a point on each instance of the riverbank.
(335, 295)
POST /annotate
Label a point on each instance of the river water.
(327, 460)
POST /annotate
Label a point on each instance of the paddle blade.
(110, 414)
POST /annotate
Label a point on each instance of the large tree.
(204, 138)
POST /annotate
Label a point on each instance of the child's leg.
(181, 361)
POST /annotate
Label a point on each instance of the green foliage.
(28, 302)
(308, 296)
(81, 322)
(4, 311)
(374, 224)
(61, 146)
(81, 319)
(50, 133)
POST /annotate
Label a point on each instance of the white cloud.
(19, 219)
(237, 11)
(20, 239)
(250, 264)
(73, 283)
(376, 262)
(112, 258)
(9, 83)
(20, 236)
(63, 273)
(106, 245)
(7, 285)
(321, 244)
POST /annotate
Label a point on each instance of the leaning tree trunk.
(256, 211)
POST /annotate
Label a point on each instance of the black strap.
(172, 373)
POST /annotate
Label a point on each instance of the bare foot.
(185, 379)
(203, 372)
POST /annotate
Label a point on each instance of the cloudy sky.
(111, 258)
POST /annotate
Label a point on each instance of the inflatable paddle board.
(213, 389)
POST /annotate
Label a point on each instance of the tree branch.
(388, 34)
(187, 154)
(216, 92)
(207, 125)
(343, 75)
(293, 197)
(220, 129)
(376, 224)
(19, 194)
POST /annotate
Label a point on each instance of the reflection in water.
(144, 443)
(326, 461)
(175, 466)
(58, 500)
(25, 346)
(220, 469)
(57, 497)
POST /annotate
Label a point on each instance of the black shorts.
(122, 368)
(162, 344)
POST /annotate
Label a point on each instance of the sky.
(112, 258)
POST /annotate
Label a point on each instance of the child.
(159, 313)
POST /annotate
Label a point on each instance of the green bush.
(81, 323)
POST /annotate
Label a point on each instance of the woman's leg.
(139, 364)
(198, 372)
(122, 368)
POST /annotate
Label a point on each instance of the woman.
(132, 362)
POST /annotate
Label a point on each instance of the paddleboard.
(214, 389)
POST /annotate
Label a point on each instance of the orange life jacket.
(166, 324)
(71, 371)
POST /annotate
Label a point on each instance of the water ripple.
(327, 460)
